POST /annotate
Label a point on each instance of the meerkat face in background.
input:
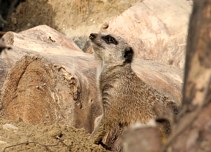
(111, 49)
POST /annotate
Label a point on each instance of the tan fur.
(125, 97)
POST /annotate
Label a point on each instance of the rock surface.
(156, 29)
(47, 84)
(74, 18)
(133, 140)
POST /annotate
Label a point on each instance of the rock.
(3, 143)
(39, 90)
(49, 81)
(154, 32)
(144, 137)
(3, 46)
(41, 39)
(166, 79)
(82, 42)
(9, 127)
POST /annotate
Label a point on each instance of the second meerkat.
(125, 97)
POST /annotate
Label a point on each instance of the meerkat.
(126, 99)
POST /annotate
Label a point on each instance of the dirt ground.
(17, 136)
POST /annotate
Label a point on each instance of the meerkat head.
(111, 49)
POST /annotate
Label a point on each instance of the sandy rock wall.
(73, 17)
(47, 82)
(157, 30)
(87, 16)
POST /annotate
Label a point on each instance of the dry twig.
(37, 143)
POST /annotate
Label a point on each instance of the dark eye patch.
(109, 39)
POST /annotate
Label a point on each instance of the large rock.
(50, 88)
(47, 80)
(144, 138)
(156, 29)
(42, 39)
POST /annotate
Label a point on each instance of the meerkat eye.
(109, 39)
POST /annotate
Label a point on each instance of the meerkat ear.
(128, 54)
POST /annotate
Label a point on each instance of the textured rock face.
(37, 90)
(46, 78)
(156, 29)
(135, 139)
(74, 18)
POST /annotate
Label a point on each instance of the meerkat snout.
(92, 36)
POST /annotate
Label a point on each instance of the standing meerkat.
(126, 99)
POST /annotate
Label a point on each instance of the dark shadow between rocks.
(29, 14)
